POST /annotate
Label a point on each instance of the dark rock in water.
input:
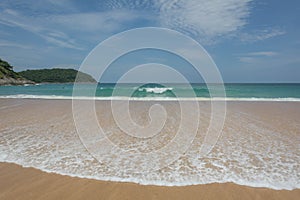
(13, 81)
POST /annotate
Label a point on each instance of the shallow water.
(233, 91)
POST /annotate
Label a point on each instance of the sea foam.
(27, 96)
(249, 152)
(158, 90)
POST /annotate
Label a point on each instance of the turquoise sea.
(233, 91)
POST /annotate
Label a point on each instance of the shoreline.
(164, 99)
(35, 135)
(119, 180)
(17, 182)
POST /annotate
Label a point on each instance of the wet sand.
(17, 182)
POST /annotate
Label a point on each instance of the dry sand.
(28, 183)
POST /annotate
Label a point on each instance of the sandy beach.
(149, 100)
(44, 119)
(28, 183)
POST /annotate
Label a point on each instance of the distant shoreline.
(120, 98)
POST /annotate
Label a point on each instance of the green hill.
(9, 77)
(7, 70)
(56, 75)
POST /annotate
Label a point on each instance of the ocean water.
(233, 91)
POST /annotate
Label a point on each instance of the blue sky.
(250, 40)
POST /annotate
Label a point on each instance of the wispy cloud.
(61, 43)
(254, 57)
(4, 43)
(56, 28)
(15, 19)
(106, 21)
(262, 53)
(205, 20)
(39, 7)
(261, 35)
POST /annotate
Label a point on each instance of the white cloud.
(108, 21)
(262, 53)
(248, 59)
(254, 57)
(61, 29)
(61, 43)
(203, 19)
(261, 35)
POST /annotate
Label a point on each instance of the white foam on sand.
(251, 155)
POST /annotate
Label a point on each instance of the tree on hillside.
(56, 75)
(5, 64)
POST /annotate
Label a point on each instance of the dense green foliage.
(6, 70)
(56, 75)
(8, 76)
